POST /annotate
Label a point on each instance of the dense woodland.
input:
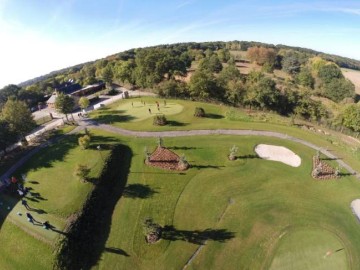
(209, 71)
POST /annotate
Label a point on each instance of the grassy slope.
(265, 204)
(56, 191)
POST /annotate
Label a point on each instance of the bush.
(82, 172)
(84, 141)
(199, 112)
(112, 92)
(159, 120)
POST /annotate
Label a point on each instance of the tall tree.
(64, 104)
(7, 136)
(18, 116)
(107, 74)
(84, 102)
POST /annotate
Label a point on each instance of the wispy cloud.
(354, 11)
(183, 4)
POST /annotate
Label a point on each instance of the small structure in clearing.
(166, 159)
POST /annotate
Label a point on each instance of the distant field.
(354, 77)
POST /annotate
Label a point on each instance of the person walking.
(25, 204)
(149, 110)
(30, 218)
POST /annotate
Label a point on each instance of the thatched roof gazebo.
(166, 159)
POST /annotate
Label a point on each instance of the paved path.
(245, 132)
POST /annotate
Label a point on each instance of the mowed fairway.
(304, 249)
(239, 209)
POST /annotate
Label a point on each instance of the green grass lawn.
(55, 194)
(122, 114)
(241, 207)
(248, 211)
(310, 249)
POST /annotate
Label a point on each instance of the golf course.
(248, 213)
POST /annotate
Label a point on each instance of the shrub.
(159, 120)
(84, 141)
(199, 112)
(82, 172)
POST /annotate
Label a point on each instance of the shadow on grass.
(214, 116)
(196, 237)
(138, 191)
(113, 118)
(118, 251)
(183, 148)
(205, 166)
(87, 234)
(176, 123)
(247, 157)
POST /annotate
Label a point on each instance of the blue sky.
(39, 36)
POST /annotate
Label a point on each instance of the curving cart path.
(182, 133)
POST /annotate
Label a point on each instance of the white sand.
(355, 206)
(278, 153)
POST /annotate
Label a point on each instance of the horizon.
(41, 38)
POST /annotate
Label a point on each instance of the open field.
(240, 214)
(223, 117)
(246, 212)
(354, 77)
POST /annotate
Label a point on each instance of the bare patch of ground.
(353, 76)
(278, 153)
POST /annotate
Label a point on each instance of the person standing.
(25, 204)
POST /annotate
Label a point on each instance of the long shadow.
(205, 166)
(138, 191)
(328, 158)
(113, 118)
(214, 116)
(118, 251)
(176, 123)
(87, 235)
(160, 173)
(169, 232)
(247, 157)
(183, 148)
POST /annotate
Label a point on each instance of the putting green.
(310, 249)
(140, 112)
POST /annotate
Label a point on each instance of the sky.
(40, 36)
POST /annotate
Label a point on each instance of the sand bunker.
(278, 153)
(355, 206)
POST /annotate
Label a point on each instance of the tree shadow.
(170, 233)
(139, 191)
(118, 251)
(183, 148)
(176, 123)
(113, 118)
(247, 157)
(87, 235)
(206, 166)
(328, 158)
(214, 116)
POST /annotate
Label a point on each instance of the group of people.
(46, 225)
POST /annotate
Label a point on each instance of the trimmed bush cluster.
(159, 120)
(199, 112)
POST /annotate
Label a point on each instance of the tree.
(107, 74)
(305, 78)
(203, 84)
(351, 117)
(84, 102)
(329, 72)
(338, 89)
(19, 117)
(64, 104)
(84, 141)
(290, 63)
(261, 55)
(82, 172)
(7, 136)
(124, 71)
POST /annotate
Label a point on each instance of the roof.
(162, 154)
(52, 99)
(68, 88)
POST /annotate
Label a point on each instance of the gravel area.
(278, 153)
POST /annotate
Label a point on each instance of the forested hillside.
(292, 81)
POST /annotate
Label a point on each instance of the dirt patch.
(278, 153)
(354, 77)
